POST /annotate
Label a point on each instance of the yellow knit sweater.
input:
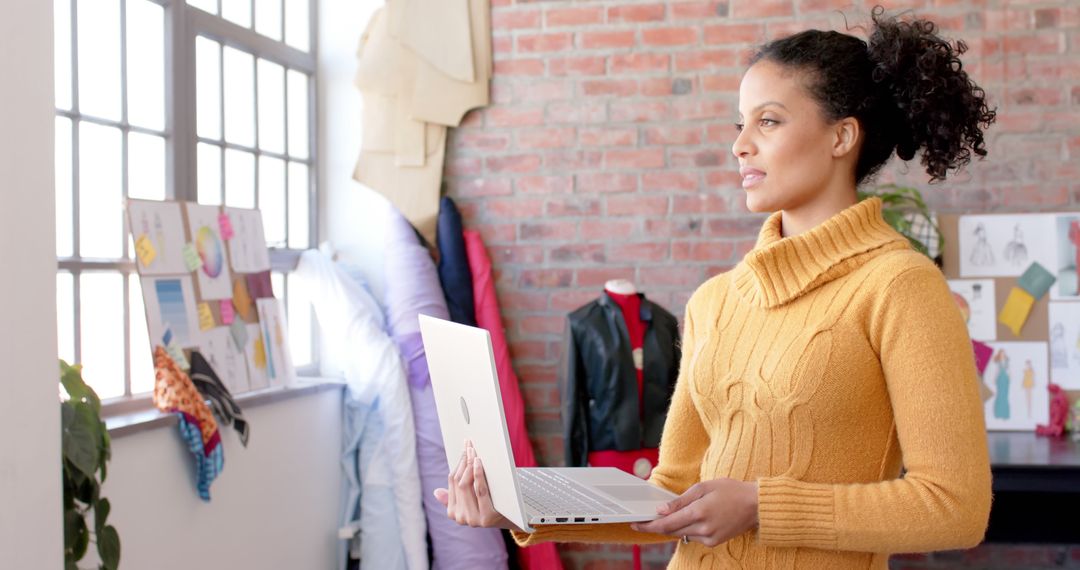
(819, 366)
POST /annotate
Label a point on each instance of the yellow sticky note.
(1016, 310)
(206, 318)
(260, 353)
(144, 248)
(241, 298)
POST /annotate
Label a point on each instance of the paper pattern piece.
(1016, 310)
(1005, 245)
(144, 250)
(247, 247)
(226, 310)
(259, 285)
(1036, 280)
(1065, 345)
(975, 297)
(216, 345)
(170, 305)
(1068, 261)
(279, 360)
(1017, 376)
(206, 317)
(213, 272)
(225, 226)
(162, 225)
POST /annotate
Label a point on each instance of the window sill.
(123, 424)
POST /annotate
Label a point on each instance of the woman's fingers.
(466, 494)
(452, 506)
(483, 495)
(443, 496)
(669, 524)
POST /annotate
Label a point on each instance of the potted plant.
(905, 210)
(85, 454)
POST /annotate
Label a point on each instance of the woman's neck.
(795, 221)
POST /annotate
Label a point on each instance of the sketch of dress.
(1074, 239)
(1001, 383)
(981, 254)
(1059, 353)
(1015, 250)
(1028, 384)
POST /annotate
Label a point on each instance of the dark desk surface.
(1023, 461)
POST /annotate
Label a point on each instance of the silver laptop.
(469, 405)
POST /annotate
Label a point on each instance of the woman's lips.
(751, 176)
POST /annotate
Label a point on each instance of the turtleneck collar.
(779, 270)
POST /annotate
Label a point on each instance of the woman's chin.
(757, 203)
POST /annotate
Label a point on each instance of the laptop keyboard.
(551, 494)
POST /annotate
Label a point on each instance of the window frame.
(182, 25)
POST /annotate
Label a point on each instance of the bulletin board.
(205, 278)
(988, 260)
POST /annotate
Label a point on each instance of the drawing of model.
(981, 254)
(1028, 383)
(1001, 397)
(1059, 353)
(1015, 250)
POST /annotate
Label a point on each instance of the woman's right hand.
(466, 495)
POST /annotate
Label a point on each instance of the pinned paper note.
(206, 318)
(226, 312)
(260, 353)
(144, 249)
(239, 334)
(241, 298)
(191, 257)
(225, 225)
(1036, 280)
(1016, 310)
(259, 285)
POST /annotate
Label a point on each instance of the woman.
(833, 354)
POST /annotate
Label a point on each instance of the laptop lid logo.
(464, 410)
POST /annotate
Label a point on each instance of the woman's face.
(784, 146)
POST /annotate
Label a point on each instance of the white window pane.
(239, 96)
(146, 166)
(297, 33)
(65, 316)
(299, 322)
(272, 199)
(237, 11)
(62, 52)
(146, 64)
(101, 332)
(239, 179)
(64, 219)
(142, 363)
(207, 88)
(209, 159)
(298, 114)
(268, 18)
(99, 58)
(100, 192)
(204, 5)
(271, 106)
(277, 283)
(299, 206)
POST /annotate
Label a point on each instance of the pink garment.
(542, 556)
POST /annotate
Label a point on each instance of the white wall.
(274, 507)
(31, 535)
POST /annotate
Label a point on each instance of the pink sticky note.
(226, 312)
(225, 225)
(983, 353)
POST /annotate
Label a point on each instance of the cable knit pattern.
(819, 366)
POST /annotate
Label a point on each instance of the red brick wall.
(606, 150)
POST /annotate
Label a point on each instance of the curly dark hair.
(906, 87)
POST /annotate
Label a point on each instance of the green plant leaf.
(108, 544)
(81, 439)
(70, 565)
(71, 529)
(71, 379)
(82, 538)
(101, 514)
(88, 491)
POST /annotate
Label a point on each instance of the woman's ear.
(846, 138)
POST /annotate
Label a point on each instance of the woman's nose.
(742, 146)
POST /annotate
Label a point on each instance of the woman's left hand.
(710, 512)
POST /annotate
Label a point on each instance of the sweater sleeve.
(943, 500)
(682, 446)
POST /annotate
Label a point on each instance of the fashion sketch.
(1059, 353)
(1001, 385)
(981, 255)
(1015, 251)
(1028, 384)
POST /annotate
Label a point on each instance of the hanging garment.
(175, 393)
(416, 291)
(488, 316)
(382, 483)
(454, 271)
(601, 409)
(223, 405)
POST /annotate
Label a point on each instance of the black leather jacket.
(598, 381)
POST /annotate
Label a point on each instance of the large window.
(208, 100)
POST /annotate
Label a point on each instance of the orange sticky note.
(206, 318)
(241, 298)
(1016, 310)
(144, 248)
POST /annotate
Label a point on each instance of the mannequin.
(620, 287)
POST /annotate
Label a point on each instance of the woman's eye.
(739, 126)
(769, 122)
